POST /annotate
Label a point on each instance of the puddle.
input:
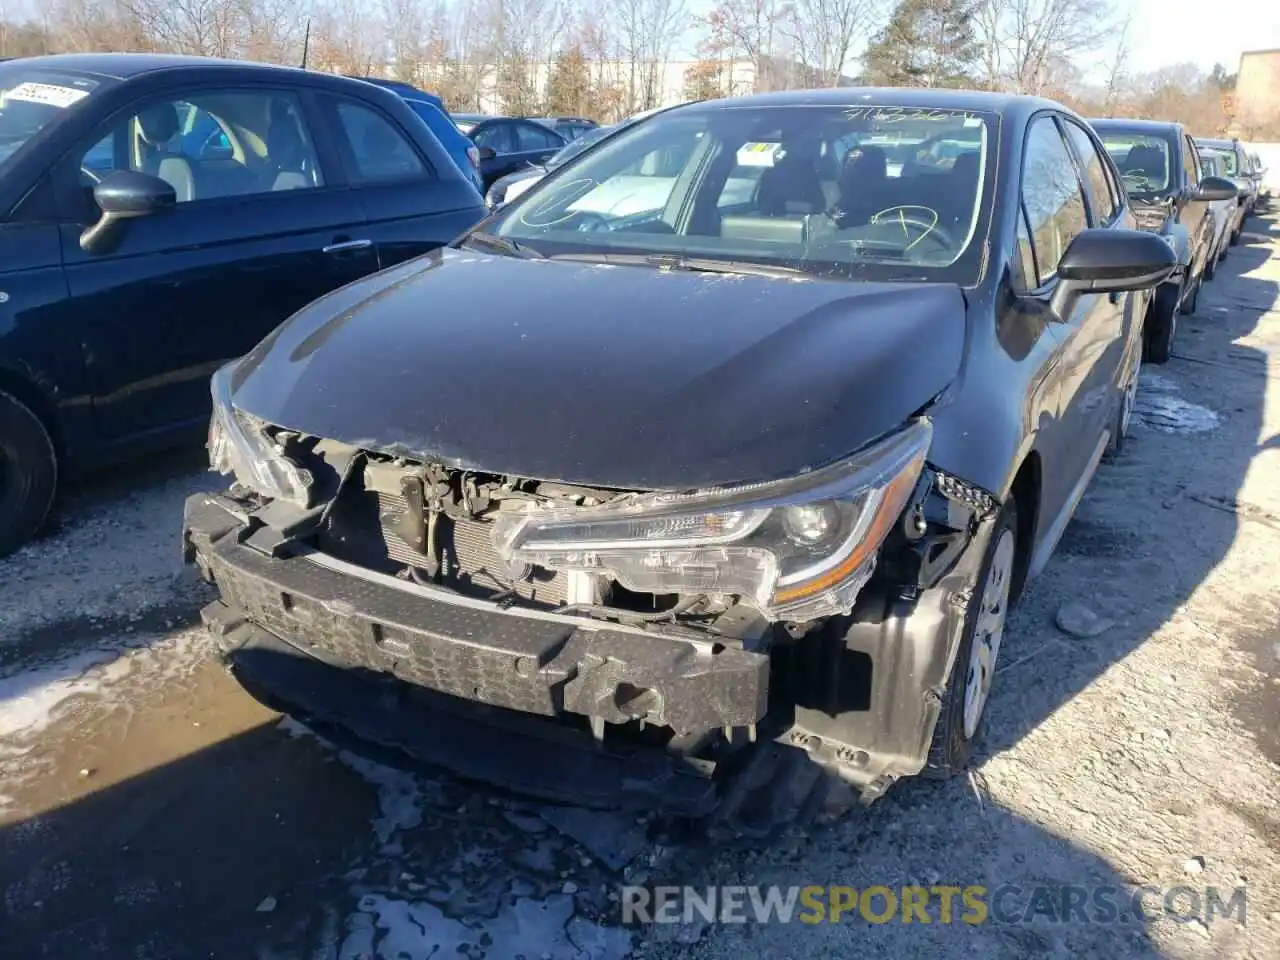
(33, 699)
(1159, 408)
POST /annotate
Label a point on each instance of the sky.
(1164, 32)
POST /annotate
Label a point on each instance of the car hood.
(617, 376)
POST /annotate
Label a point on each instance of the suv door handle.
(346, 245)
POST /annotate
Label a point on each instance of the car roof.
(1216, 142)
(124, 66)
(1137, 126)
(975, 100)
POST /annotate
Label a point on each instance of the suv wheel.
(1124, 411)
(1192, 298)
(1162, 323)
(28, 473)
(969, 687)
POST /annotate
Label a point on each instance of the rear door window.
(378, 151)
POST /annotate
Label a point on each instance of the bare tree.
(1035, 36)
(748, 30)
(823, 33)
(1118, 73)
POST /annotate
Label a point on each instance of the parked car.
(466, 121)
(128, 280)
(509, 144)
(1258, 173)
(571, 128)
(1236, 167)
(1160, 167)
(730, 480)
(513, 184)
(464, 153)
(1223, 213)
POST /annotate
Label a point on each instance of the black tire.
(952, 744)
(1192, 300)
(28, 473)
(1211, 264)
(1161, 324)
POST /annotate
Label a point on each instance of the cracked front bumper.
(528, 661)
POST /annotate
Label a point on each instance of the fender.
(1180, 238)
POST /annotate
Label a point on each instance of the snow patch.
(34, 699)
(387, 929)
(1159, 408)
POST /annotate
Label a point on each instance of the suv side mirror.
(125, 195)
(487, 153)
(1110, 261)
(1215, 188)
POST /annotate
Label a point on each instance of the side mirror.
(487, 153)
(125, 195)
(1110, 261)
(1215, 188)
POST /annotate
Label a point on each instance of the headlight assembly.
(797, 549)
(239, 445)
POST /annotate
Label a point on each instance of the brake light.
(473, 154)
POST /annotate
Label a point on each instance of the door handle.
(346, 245)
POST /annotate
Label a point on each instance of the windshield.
(884, 190)
(1226, 159)
(575, 147)
(31, 100)
(1143, 160)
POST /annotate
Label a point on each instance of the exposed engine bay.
(435, 525)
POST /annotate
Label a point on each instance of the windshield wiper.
(503, 245)
(670, 261)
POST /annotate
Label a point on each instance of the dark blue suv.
(160, 215)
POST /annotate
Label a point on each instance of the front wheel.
(1124, 412)
(28, 473)
(969, 687)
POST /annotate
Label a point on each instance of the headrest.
(158, 123)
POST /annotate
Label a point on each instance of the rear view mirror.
(125, 195)
(487, 153)
(1216, 188)
(1110, 261)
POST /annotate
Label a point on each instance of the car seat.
(791, 187)
(157, 125)
(286, 150)
(1147, 161)
(864, 181)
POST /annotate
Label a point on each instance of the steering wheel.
(591, 222)
(913, 219)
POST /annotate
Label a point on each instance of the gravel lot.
(149, 808)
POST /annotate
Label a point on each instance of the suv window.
(1051, 193)
(379, 150)
(1101, 193)
(212, 145)
(1189, 161)
(532, 136)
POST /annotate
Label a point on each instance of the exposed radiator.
(468, 556)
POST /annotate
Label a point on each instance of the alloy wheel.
(988, 633)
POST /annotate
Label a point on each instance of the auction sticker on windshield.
(759, 154)
(50, 94)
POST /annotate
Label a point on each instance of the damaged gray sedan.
(703, 474)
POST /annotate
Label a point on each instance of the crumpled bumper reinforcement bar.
(314, 632)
